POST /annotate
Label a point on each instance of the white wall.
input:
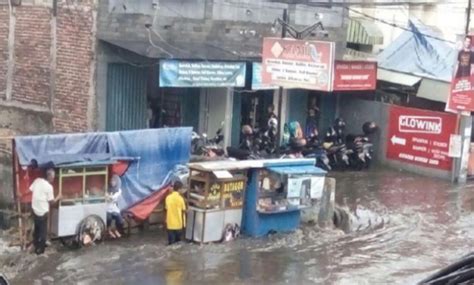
(216, 107)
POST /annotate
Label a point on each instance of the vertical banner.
(461, 97)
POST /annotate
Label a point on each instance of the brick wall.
(3, 48)
(31, 78)
(46, 100)
(75, 53)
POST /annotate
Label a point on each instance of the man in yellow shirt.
(175, 211)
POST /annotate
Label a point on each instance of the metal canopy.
(397, 77)
(362, 31)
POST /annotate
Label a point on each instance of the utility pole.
(465, 124)
(280, 89)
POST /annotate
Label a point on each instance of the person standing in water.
(41, 201)
(113, 211)
(175, 210)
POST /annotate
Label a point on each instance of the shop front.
(205, 92)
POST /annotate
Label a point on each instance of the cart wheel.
(91, 230)
(70, 242)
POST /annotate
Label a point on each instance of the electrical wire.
(157, 46)
(397, 26)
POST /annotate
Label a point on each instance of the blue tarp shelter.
(154, 155)
(420, 51)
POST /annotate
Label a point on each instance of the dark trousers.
(174, 236)
(118, 221)
(40, 232)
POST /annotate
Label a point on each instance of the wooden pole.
(17, 195)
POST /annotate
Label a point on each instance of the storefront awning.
(298, 169)
(362, 31)
(434, 90)
(397, 77)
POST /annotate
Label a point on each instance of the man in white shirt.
(43, 198)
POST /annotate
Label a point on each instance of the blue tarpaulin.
(158, 153)
(421, 52)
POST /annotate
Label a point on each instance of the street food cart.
(82, 210)
(276, 194)
(215, 200)
(259, 196)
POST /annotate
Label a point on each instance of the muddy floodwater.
(404, 228)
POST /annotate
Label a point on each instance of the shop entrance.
(255, 106)
(174, 107)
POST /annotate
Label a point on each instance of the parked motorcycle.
(361, 147)
(315, 150)
(202, 146)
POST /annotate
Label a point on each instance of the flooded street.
(405, 227)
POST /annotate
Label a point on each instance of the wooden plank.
(17, 194)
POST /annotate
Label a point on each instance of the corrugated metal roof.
(298, 169)
(362, 31)
(416, 54)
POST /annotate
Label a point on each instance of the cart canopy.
(155, 155)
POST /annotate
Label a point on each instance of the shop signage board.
(355, 75)
(420, 137)
(461, 97)
(455, 144)
(175, 73)
(298, 64)
(257, 78)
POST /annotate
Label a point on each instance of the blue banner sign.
(257, 78)
(175, 73)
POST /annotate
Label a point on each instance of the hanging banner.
(174, 73)
(420, 137)
(298, 64)
(355, 75)
(257, 78)
(461, 97)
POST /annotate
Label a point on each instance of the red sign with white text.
(355, 75)
(461, 97)
(420, 137)
(298, 63)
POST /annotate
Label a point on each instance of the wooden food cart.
(215, 201)
(82, 209)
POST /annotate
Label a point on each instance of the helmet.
(369, 128)
(273, 123)
(247, 130)
(340, 123)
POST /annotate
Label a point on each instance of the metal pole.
(468, 17)
(465, 124)
(280, 90)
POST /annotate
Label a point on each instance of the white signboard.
(455, 142)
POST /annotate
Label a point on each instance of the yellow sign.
(214, 192)
(233, 193)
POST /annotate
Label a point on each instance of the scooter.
(361, 146)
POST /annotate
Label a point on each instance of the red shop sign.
(355, 75)
(298, 64)
(420, 137)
